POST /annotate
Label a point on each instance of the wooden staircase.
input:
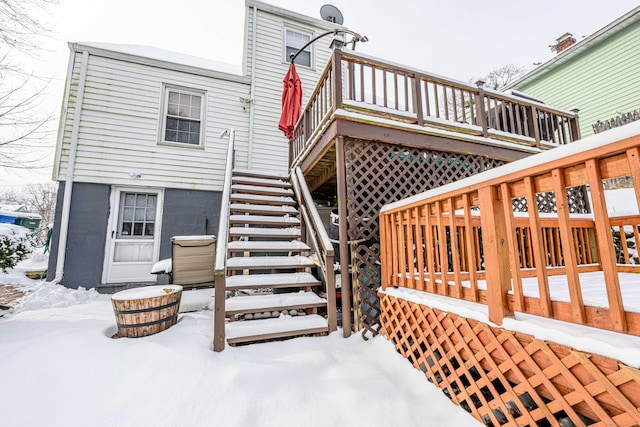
(268, 269)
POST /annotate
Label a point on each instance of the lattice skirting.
(508, 378)
(379, 173)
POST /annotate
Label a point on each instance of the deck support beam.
(341, 175)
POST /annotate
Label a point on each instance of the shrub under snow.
(14, 245)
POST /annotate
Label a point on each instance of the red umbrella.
(291, 102)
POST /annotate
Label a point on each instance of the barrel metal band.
(155, 322)
(146, 310)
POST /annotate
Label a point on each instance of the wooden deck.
(374, 132)
(470, 232)
(569, 259)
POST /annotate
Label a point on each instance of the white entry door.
(134, 235)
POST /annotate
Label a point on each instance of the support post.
(218, 313)
(341, 176)
(496, 254)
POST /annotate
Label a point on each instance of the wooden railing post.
(575, 126)
(481, 114)
(496, 254)
(605, 246)
(533, 122)
(336, 71)
(417, 98)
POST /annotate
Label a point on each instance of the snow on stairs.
(266, 256)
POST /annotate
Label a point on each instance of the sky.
(462, 39)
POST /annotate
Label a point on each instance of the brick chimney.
(563, 42)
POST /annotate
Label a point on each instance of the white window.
(183, 117)
(137, 215)
(293, 41)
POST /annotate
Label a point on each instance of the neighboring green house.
(600, 74)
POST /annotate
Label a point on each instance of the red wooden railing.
(454, 240)
(364, 84)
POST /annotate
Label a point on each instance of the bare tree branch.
(25, 138)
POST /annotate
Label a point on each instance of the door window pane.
(137, 215)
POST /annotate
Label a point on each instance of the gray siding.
(185, 212)
(188, 213)
(86, 238)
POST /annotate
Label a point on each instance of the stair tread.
(270, 182)
(246, 207)
(264, 219)
(259, 174)
(264, 232)
(278, 200)
(273, 301)
(271, 280)
(293, 245)
(296, 261)
(288, 325)
(263, 190)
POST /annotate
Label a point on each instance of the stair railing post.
(220, 267)
(219, 313)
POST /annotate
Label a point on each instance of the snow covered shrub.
(14, 245)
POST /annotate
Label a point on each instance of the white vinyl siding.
(122, 117)
(270, 147)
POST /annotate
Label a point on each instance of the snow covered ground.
(59, 367)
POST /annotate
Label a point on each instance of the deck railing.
(464, 240)
(360, 83)
(220, 268)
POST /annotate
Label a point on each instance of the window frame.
(164, 114)
(310, 48)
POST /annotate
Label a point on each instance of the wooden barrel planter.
(147, 310)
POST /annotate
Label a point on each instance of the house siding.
(185, 212)
(119, 119)
(120, 123)
(602, 81)
(270, 147)
(188, 213)
(86, 238)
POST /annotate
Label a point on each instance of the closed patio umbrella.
(291, 102)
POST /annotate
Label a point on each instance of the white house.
(140, 156)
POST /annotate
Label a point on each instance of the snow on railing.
(465, 241)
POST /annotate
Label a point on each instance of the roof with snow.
(150, 55)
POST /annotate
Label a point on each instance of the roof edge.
(154, 62)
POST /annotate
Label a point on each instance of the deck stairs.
(273, 292)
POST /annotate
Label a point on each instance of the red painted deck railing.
(464, 240)
(364, 84)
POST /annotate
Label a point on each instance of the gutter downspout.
(71, 165)
(252, 88)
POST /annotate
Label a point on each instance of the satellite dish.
(330, 13)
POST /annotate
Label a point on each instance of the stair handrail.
(320, 241)
(220, 267)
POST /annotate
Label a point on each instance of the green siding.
(602, 81)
